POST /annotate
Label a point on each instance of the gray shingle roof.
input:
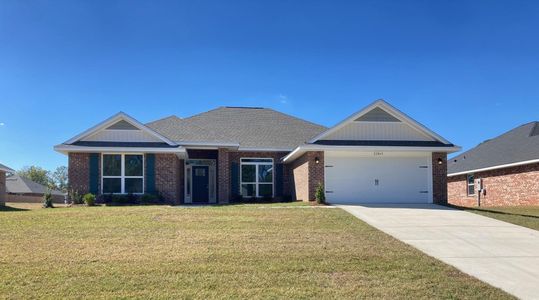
(19, 185)
(5, 168)
(250, 127)
(517, 145)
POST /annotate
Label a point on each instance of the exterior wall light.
(316, 160)
(440, 161)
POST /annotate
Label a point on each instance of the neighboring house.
(24, 190)
(3, 171)
(376, 155)
(500, 171)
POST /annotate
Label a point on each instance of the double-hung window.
(256, 177)
(122, 174)
(470, 185)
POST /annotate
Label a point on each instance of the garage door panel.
(367, 179)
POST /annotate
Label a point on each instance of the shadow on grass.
(9, 208)
(492, 211)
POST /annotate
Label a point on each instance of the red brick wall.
(504, 187)
(223, 176)
(439, 178)
(169, 177)
(235, 156)
(79, 172)
(306, 175)
(2, 188)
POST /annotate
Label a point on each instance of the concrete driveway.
(501, 254)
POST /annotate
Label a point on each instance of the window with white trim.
(470, 184)
(122, 174)
(256, 177)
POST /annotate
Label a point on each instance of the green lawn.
(527, 216)
(236, 251)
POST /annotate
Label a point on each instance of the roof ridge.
(162, 119)
(246, 107)
(303, 120)
(204, 112)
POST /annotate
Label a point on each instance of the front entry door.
(201, 183)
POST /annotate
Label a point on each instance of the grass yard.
(527, 216)
(236, 251)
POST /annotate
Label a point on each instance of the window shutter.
(235, 180)
(94, 173)
(279, 180)
(150, 173)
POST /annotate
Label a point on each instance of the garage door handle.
(329, 166)
(423, 192)
(329, 192)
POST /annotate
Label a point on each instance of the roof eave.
(66, 149)
(497, 167)
(311, 147)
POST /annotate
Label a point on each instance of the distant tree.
(36, 174)
(59, 177)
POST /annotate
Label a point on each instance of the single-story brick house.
(378, 154)
(24, 190)
(3, 170)
(498, 172)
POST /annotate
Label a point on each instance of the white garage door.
(378, 177)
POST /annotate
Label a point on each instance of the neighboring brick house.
(24, 190)
(3, 171)
(503, 171)
(237, 153)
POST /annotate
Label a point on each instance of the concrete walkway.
(501, 254)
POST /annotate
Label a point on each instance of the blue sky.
(469, 70)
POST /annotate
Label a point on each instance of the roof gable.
(120, 127)
(380, 121)
(377, 114)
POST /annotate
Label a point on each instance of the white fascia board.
(516, 164)
(208, 144)
(391, 110)
(117, 117)
(302, 149)
(65, 149)
(252, 149)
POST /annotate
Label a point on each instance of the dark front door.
(201, 184)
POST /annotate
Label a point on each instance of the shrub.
(75, 197)
(320, 194)
(89, 199)
(47, 199)
(151, 199)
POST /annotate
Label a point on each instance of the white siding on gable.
(121, 136)
(378, 131)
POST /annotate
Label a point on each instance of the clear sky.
(469, 70)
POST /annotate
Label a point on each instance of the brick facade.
(79, 172)
(305, 175)
(2, 188)
(235, 157)
(169, 176)
(223, 176)
(439, 178)
(504, 187)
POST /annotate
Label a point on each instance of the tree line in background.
(56, 180)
